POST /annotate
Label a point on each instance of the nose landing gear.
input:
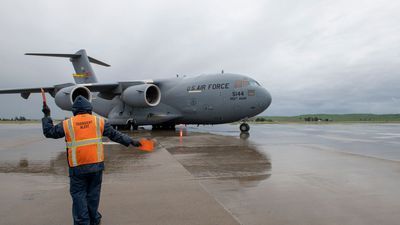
(244, 127)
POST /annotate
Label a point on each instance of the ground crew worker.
(83, 134)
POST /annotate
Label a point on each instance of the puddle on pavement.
(223, 163)
(224, 157)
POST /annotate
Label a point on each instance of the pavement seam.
(202, 186)
(226, 209)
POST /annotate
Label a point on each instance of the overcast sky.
(313, 56)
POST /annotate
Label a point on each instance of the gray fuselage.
(205, 99)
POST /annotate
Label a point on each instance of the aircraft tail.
(81, 62)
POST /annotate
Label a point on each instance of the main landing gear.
(164, 126)
(244, 128)
(130, 125)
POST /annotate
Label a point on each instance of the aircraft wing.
(25, 92)
(106, 90)
(116, 88)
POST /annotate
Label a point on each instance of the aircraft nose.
(265, 100)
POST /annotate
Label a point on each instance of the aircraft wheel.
(164, 126)
(122, 127)
(171, 127)
(244, 135)
(130, 125)
(244, 127)
(127, 126)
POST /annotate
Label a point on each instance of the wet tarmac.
(279, 174)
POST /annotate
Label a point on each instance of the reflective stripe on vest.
(99, 141)
(84, 142)
(73, 149)
(74, 145)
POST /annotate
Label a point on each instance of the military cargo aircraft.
(205, 99)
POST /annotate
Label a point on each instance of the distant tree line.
(262, 119)
(367, 119)
(314, 119)
(17, 118)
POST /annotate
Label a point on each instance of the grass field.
(19, 122)
(331, 118)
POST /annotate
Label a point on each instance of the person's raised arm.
(49, 130)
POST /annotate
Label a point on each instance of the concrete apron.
(155, 189)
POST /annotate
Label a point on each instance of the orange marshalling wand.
(43, 96)
(147, 145)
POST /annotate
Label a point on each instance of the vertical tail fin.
(81, 62)
(83, 70)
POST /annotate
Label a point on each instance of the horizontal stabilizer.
(55, 55)
(98, 62)
(72, 56)
(84, 73)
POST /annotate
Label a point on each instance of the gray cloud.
(313, 56)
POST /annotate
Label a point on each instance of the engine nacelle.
(143, 95)
(65, 97)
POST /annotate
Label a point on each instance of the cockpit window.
(245, 83)
(254, 83)
(241, 83)
(238, 84)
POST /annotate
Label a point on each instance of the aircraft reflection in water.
(212, 156)
(205, 99)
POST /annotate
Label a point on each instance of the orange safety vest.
(83, 134)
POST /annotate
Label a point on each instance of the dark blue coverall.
(85, 180)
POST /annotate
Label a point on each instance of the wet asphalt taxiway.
(279, 174)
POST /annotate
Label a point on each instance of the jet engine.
(65, 97)
(143, 95)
